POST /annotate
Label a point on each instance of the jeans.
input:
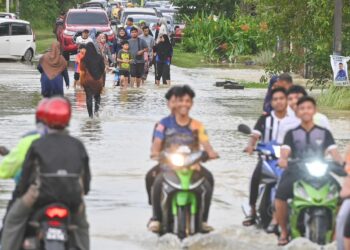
(342, 216)
(254, 184)
(157, 190)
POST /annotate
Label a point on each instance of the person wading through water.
(92, 69)
(53, 68)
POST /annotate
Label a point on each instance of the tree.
(215, 7)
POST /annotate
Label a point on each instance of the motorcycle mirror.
(244, 129)
(4, 151)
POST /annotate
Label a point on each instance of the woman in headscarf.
(121, 36)
(103, 49)
(163, 53)
(53, 69)
(92, 72)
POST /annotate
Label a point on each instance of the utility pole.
(7, 5)
(338, 22)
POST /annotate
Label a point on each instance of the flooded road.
(119, 143)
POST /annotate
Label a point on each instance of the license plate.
(55, 234)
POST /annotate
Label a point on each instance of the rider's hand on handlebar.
(249, 149)
(283, 163)
(196, 167)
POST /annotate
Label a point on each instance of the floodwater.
(119, 143)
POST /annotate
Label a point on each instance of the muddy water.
(119, 142)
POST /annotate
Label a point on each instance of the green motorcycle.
(183, 193)
(316, 198)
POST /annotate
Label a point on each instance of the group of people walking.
(129, 57)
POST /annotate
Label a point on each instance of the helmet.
(58, 113)
(41, 110)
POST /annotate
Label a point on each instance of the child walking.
(124, 60)
(80, 55)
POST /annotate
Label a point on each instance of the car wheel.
(28, 56)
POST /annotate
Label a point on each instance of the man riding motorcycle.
(56, 165)
(152, 174)
(269, 128)
(11, 165)
(180, 129)
(299, 143)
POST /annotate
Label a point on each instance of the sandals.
(249, 221)
(283, 241)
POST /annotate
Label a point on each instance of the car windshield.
(87, 18)
(148, 20)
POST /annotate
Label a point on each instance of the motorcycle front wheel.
(319, 227)
(182, 222)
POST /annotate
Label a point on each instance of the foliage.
(220, 38)
(264, 58)
(217, 7)
(335, 97)
(42, 13)
(186, 60)
(305, 31)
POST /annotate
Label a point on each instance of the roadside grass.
(335, 97)
(187, 60)
(254, 85)
(44, 38)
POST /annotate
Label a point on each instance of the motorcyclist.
(296, 92)
(152, 174)
(180, 129)
(299, 143)
(56, 165)
(11, 165)
(269, 128)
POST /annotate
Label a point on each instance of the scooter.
(183, 193)
(316, 198)
(271, 173)
(49, 228)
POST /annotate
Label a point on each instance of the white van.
(17, 39)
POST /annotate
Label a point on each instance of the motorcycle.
(49, 228)
(316, 198)
(268, 155)
(183, 193)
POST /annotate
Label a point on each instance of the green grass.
(336, 98)
(187, 60)
(254, 85)
(44, 39)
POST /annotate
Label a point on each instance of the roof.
(141, 10)
(86, 10)
(2, 20)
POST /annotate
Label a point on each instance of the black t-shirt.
(305, 144)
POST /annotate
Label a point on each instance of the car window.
(85, 18)
(4, 29)
(18, 29)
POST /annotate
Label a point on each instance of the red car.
(77, 20)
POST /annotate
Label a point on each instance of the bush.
(335, 97)
(263, 58)
(223, 39)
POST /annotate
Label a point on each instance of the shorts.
(136, 70)
(286, 184)
(76, 76)
(124, 73)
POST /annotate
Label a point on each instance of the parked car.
(76, 21)
(138, 11)
(167, 11)
(17, 39)
(99, 4)
(8, 15)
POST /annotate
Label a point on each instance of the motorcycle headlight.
(317, 168)
(69, 33)
(177, 160)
